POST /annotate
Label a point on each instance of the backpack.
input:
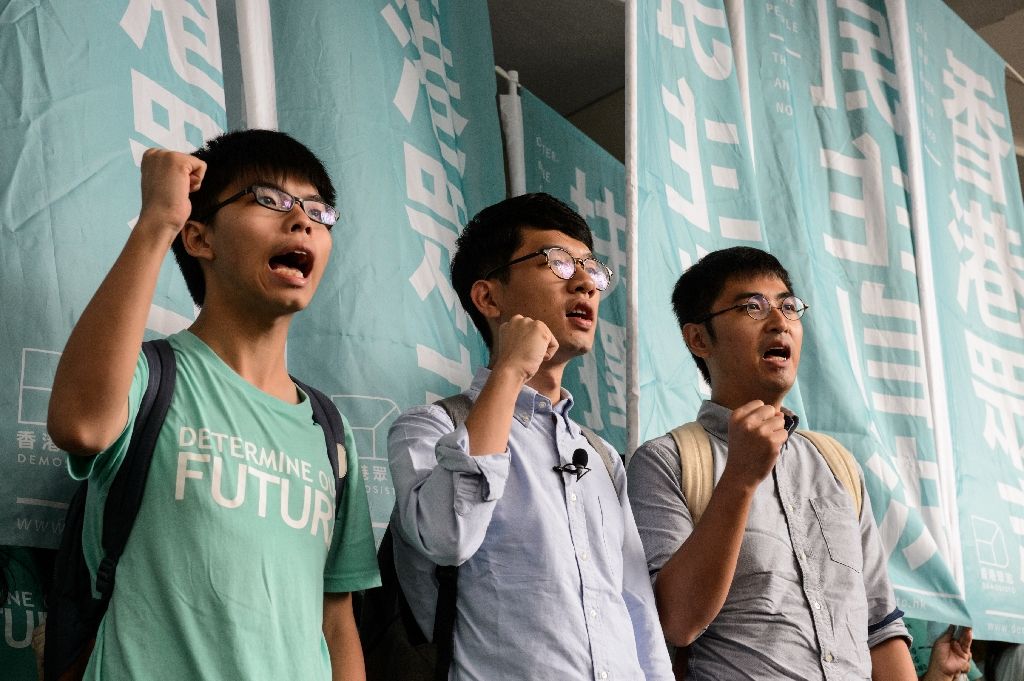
(73, 614)
(697, 474)
(394, 647)
(697, 482)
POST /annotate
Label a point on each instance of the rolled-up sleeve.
(885, 619)
(444, 497)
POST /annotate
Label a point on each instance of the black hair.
(246, 155)
(494, 234)
(698, 287)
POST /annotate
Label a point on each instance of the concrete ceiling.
(571, 54)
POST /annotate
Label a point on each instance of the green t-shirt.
(21, 613)
(236, 540)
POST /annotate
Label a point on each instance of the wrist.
(933, 675)
(509, 374)
(738, 482)
(161, 227)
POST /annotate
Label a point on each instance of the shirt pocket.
(840, 529)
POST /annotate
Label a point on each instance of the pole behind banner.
(256, 48)
(632, 215)
(510, 108)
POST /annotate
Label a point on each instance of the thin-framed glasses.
(281, 201)
(759, 307)
(563, 264)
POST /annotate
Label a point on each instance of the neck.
(732, 402)
(548, 381)
(254, 348)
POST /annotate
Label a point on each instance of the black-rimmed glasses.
(758, 307)
(281, 201)
(563, 264)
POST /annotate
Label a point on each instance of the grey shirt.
(810, 595)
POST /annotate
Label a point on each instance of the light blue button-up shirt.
(553, 581)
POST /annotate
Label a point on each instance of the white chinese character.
(996, 373)
(191, 28)
(148, 97)
(380, 473)
(989, 267)
(889, 373)
(980, 146)
(603, 208)
(868, 209)
(686, 157)
(429, 68)
(880, 81)
(718, 63)
(26, 439)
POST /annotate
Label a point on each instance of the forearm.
(890, 661)
(490, 418)
(88, 405)
(342, 638)
(693, 585)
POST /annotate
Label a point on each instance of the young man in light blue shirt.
(552, 582)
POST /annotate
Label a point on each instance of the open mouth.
(296, 263)
(581, 311)
(776, 352)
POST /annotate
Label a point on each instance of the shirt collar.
(715, 419)
(529, 401)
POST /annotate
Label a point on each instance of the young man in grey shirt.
(779, 578)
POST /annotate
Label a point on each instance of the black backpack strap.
(607, 455)
(457, 407)
(444, 618)
(327, 416)
(125, 495)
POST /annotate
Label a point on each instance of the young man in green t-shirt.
(238, 566)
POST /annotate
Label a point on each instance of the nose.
(776, 320)
(300, 221)
(582, 281)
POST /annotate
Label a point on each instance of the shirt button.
(803, 555)
(593, 614)
(584, 555)
(828, 657)
(572, 497)
(603, 675)
(817, 605)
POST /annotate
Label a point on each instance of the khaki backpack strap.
(697, 474)
(842, 463)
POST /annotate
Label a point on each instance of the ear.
(196, 238)
(486, 296)
(697, 339)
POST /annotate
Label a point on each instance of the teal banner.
(87, 90)
(975, 217)
(697, 191)
(798, 144)
(825, 109)
(398, 97)
(565, 163)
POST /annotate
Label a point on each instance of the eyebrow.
(274, 185)
(740, 297)
(588, 254)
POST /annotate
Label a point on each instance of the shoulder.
(423, 419)
(657, 453)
